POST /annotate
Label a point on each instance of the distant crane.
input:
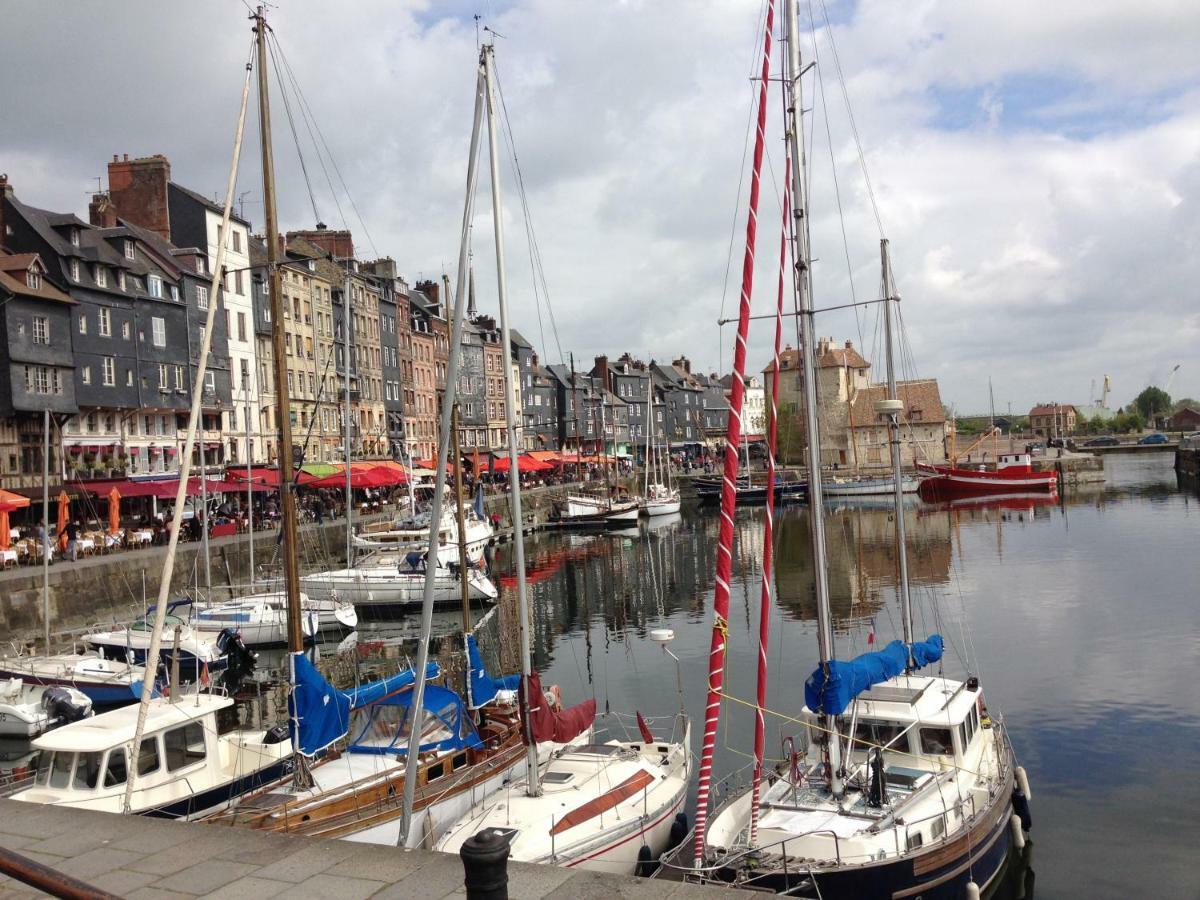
(1171, 377)
(1102, 401)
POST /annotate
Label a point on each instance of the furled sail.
(560, 727)
(831, 693)
(482, 688)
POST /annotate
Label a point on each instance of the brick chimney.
(383, 268)
(430, 289)
(683, 363)
(600, 370)
(137, 191)
(337, 243)
(101, 211)
(6, 191)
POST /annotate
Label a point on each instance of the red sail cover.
(560, 727)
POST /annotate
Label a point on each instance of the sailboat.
(897, 784)
(595, 805)
(659, 498)
(411, 532)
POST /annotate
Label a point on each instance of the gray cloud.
(1039, 257)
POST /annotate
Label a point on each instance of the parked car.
(1155, 439)
(1034, 447)
(1102, 442)
(1057, 442)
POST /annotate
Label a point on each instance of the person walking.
(43, 538)
(73, 540)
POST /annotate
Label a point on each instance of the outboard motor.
(240, 659)
(276, 734)
(64, 704)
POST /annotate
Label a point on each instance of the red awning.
(525, 463)
(163, 489)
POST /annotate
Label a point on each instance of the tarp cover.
(560, 727)
(848, 679)
(482, 687)
(384, 727)
(323, 712)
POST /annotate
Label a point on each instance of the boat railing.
(626, 722)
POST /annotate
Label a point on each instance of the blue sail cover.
(384, 727)
(847, 679)
(482, 687)
(323, 712)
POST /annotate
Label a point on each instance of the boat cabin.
(1014, 461)
(181, 758)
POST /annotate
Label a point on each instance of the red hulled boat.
(1011, 473)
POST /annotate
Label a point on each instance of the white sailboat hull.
(387, 586)
(868, 487)
(661, 507)
(592, 777)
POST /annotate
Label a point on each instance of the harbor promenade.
(155, 859)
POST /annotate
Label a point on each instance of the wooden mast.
(287, 497)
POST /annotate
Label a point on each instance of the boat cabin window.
(87, 771)
(184, 746)
(435, 772)
(937, 741)
(938, 828)
(880, 734)
(114, 774)
(60, 769)
(914, 840)
(147, 761)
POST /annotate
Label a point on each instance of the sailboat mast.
(249, 499)
(287, 496)
(464, 571)
(346, 286)
(439, 481)
(889, 297)
(44, 549)
(649, 426)
(816, 505)
(718, 643)
(532, 786)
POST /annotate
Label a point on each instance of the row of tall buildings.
(103, 322)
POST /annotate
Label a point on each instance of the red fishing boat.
(1012, 472)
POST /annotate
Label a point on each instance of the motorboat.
(1010, 472)
(106, 682)
(197, 652)
(188, 764)
(27, 710)
(411, 533)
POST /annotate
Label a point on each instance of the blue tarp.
(482, 687)
(384, 727)
(323, 712)
(847, 679)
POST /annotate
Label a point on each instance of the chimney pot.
(116, 158)
(126, 159)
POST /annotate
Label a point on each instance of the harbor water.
(1078, 614)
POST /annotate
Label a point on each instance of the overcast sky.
(1036, 165)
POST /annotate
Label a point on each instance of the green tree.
(1186, 401)
(1083, 425)
(1153, 402)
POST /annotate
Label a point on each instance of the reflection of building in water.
(861, 547)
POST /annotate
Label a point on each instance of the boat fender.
(1020, 804)
(276, 734)
(1023, 782)
(679, 830)
(972, 892)
(645, 863)
(1018, 836)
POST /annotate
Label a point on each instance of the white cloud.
(1028, 248)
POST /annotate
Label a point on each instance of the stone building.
(1052, 420)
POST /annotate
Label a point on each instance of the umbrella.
(114, 511)
(64, 516)
(8, 502)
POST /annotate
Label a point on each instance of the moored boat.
(1011, 472)
(395, 580)
(106, 682)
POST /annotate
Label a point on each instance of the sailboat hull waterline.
(870, 487)
(386, 586)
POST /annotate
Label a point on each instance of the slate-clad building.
(683, 402)
(37, 369)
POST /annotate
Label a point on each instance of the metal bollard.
(485, 865)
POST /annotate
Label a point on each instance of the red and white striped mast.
(733, 435)
(767, 597)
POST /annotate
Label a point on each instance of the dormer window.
(74, 270)
(129, 250)
(74, 237)
(154, 286)
(121, 280)
(200, 265)
(33, 279)
(101, 277)
(175, 292)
